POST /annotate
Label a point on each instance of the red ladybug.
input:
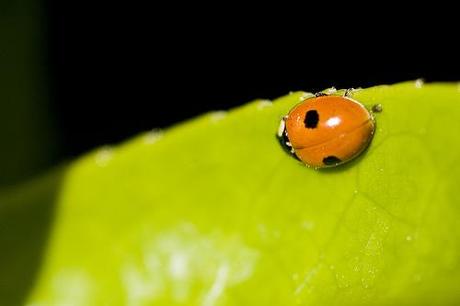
(326, 131)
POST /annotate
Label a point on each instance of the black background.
(119, 70)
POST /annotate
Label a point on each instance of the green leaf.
(214, 212)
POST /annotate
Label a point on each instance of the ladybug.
(327, 130)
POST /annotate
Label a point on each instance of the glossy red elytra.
(327, 130)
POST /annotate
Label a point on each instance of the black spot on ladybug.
(311, 119)
(331, 160)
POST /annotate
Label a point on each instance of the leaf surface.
(214, 212)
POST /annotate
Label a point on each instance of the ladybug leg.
(320, 94)
(377, 108)
(326, 92)
(348, 92)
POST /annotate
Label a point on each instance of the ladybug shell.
(329, 130)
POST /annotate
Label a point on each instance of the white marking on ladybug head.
(281, 127)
